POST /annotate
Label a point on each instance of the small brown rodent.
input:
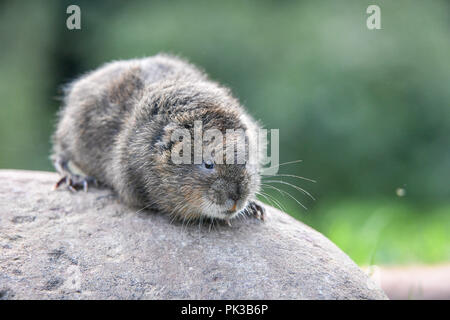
(116, 126)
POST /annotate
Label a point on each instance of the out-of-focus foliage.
(367, 111)
(374, 232)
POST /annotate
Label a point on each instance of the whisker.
(200, 223)
(272, 200)
(263, 195)
(283, 164)
(285, 192)
(212, 224)
(290, 175)
(293, 186)
(280, 205)
(275, 188)
(147, 206)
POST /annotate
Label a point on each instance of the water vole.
(117, 125)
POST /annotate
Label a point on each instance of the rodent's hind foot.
(257, 210)
(76, 182)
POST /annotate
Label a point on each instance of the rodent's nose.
(234, 193)
(233, 196)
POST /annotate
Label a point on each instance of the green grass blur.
(368, 112)
(377, 232)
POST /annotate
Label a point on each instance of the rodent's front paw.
(257, 210)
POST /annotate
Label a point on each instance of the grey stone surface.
(64, 245)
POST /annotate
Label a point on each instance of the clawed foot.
(257, 210)
(76, 182)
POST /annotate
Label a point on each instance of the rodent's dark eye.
(209, 164)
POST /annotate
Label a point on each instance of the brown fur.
(116, 125)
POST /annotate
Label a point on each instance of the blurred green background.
(368, 111)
